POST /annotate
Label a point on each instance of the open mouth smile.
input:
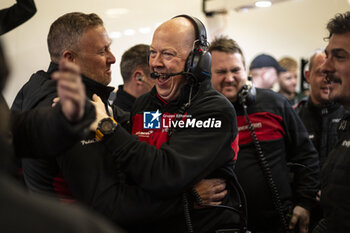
(163, 77)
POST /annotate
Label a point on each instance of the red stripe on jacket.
(267, 126)
(62, 190)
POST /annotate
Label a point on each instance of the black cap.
(264, 60)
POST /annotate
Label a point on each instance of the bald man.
(186, 131)
(319, 114)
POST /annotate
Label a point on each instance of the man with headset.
(186, 133)
(136, 76)
(271, 137)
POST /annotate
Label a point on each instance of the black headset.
(247, 95)
(198, 62)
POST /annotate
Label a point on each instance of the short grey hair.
(67, 30)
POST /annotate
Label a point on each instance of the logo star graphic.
(156, 115)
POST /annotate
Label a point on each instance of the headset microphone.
(156, 75)
(247, 95)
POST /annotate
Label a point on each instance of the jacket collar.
(93, 87)
(126, 96)
(323, 109)
(52, 67)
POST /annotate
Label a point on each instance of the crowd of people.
(195, 140)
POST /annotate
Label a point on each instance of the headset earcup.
(199, 64)
(204, 65)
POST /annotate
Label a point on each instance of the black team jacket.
(184, 145)
(123, 99)
(322, 123)
(335, 181)
(286, 146)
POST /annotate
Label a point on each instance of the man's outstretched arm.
(15, 15)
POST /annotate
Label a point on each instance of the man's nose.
(324, 79)
(155, 60)
(327, 66)
(229, 77)
(111, 58)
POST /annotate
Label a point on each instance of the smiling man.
(184, 146)
(319, 114)
(167, 56)
(336, 174)
(282, 140)
(83, 40)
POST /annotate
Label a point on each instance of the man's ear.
(307, 76)
(138, 76)
(69, 55)
(263, 73)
